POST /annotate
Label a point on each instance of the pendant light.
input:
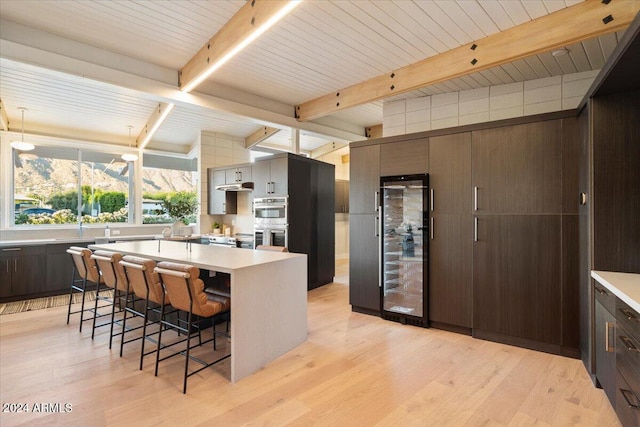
(21, 145)
(129, 157)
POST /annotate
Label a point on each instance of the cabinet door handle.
(432, 228)
(629, 344)
(627, 392)
(7, 265)
(628, 314)
(376, 201)
(475, 229)
(376, 226)
(433, 199)
(607, 347)
(380, 243)
(601, 291)
(15, 265)
(475, 198)
(224, 208)
(239, 176)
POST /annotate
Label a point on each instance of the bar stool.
(184, 287)
(85, 270)
(148, 290)
(114, 277)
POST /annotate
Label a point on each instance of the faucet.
(80, 228)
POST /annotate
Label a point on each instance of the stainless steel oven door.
(279, 237)
(270, 210)
(271, 237)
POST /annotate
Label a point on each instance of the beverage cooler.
(404, 222)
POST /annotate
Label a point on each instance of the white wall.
(486, 104)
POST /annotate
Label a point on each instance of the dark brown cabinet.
(450, 271)
(627, 364)
(364, 264)
(516, 276)
(404, 157)
(59, 268)
(450, 173)
(342, 196)
(23, 270)
(605, 345)
(517, 169)
(450, 240)
(364, 178)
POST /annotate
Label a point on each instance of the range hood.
(236, 186)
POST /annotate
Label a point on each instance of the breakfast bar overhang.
(268, 295)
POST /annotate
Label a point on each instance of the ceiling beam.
(373, 132)
(158, 115)
(565, 27)
(258, 136)
(4, 119)
(252, 20)
(327, 148)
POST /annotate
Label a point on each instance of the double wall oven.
(271, 221)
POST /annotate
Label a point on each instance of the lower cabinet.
(364, 267)
(22, 270)
(32, 271)
(517, 280)
(450, 271)
(59, 268)
(627, 363)
(605, 325)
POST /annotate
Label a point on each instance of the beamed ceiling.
(87, 69)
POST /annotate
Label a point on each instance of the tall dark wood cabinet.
(450, 241)
(364, 265)
(522, 241)
(310, 185)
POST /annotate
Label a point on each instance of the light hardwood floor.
(354, 370)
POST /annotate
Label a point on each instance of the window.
(51, 188)
(167, 178)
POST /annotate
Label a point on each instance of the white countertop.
(216, 258)
(625, 286)
(87, 239)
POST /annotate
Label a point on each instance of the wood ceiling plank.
(594, 53)
(537, 66)
(579, 57)
(535, 8)
(562, 28)
(608, 43)
(480, 17)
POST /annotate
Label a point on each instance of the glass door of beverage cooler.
(404, 219)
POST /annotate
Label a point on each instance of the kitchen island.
(268, 295)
